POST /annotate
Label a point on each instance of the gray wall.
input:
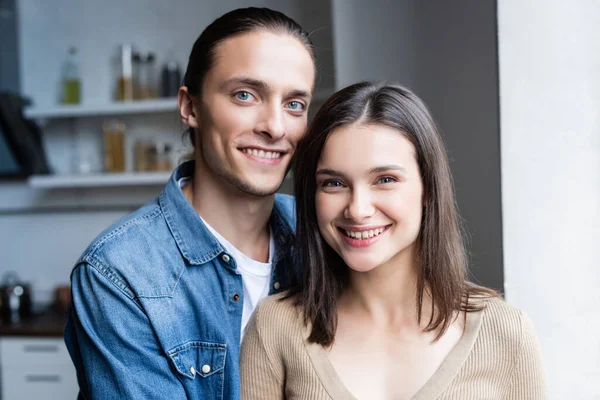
(458, 79)
(9, 61)
(316, 17)
(374, 40)
(447, 53)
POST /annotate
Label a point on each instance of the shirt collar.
(196, 243)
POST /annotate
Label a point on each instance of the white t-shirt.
(256, 276)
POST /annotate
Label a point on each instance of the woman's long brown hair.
(441, 255)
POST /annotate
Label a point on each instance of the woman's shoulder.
(505, 322)
(278, 314)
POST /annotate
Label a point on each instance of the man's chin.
(258, 188)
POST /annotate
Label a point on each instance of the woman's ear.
(186, 108)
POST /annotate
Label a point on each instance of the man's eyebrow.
(264, 86)
(256, 83)
(299, 93)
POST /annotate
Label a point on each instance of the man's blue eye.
(295, 105)
(243, 96)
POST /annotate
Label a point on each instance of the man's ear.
(186, 108)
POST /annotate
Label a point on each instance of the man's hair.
(234, 23)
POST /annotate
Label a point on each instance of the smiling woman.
(383, 308)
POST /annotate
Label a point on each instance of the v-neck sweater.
(497, 357)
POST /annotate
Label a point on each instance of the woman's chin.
(362, 265)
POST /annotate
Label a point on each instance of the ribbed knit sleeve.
(260, 377)
(528, 379)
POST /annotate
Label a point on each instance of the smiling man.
(161, 299)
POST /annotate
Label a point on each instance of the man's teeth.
(365, 234)
(262, 153)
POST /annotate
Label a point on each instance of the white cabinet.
(36, 368)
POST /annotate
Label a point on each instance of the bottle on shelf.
(125, 79)
(171, 79)
(147, 77)
(71, 80)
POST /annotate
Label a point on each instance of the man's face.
(253, 110)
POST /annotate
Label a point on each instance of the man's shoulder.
(286, 200)
(285, 205)
(126, 233)
(138, 252)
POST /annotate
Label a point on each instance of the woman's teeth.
(262, 153)
(365, 234)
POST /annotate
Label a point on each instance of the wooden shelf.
(92, 110)
(98, 180)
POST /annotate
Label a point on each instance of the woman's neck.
(387, 295)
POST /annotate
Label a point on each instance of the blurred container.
(171, 79)
(71, 80)
(114, 146)
(137, 66)
(15, 298)
(62, 298)
(160, 157)
(142, 162)
(125, 79)
(147, 77)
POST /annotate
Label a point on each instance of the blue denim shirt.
(157, 303)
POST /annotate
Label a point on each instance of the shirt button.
(235, 297)
(205, 368)
(226, 258)
(276, 285)
(192, 371)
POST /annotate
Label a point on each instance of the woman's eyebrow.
(385, 168)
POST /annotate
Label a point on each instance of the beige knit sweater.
(498, 357)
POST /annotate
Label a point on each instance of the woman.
(383, 308)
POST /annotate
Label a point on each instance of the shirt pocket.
(201, 368)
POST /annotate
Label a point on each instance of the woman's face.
(369, 195)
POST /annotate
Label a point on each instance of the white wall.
(550, 141)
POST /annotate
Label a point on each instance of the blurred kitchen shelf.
(98, 180)
(92, 110)
(124, 108)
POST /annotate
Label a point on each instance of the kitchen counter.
(49, 324)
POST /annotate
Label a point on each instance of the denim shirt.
(157, 303)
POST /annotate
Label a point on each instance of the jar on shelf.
(160, 157)
(114, 146)
(142, 162)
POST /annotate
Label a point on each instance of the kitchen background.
(513, 85)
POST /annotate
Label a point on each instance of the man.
(160, 299)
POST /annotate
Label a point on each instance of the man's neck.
(240, 218)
